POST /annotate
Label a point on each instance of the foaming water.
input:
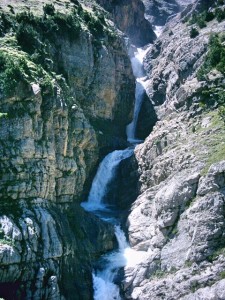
(104, 286)
(105, 277)
(104, 176)
(158, 30)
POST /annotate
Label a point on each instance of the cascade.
(136, 57)
(104, 277)
(105, 174)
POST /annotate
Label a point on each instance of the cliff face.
(178, 219)
(51, 133)
(158, 11)
(129, 17)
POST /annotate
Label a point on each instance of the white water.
(104, 288)
(103, 280)
(136, 56)
(103, 178)
(158, 30)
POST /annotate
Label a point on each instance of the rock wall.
(129, 17)
(52, 132)
(178, 219)
(158, 11)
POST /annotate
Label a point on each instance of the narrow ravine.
(104, 277)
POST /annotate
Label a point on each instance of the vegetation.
(215, 59)
(216, 254)
(27, 42)
(16, 67)
(5, 240)
(206, 16)
(193, 32)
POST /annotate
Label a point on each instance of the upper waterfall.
(136, 56)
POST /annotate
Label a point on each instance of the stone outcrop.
(158, 11)
(178, 218)
(129, 17)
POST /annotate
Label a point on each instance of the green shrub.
(6, 23)
(209, 16)
(201, 23)
(27, 18)
(13, 69)
(220, 14)
(27, 37)
(193, 32)
(222, 113)
(215, 58)
(49, 9)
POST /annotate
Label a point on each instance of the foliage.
(215, 58)
(220, 14)
(27, 37)
(16, 67)
(5, 240)
(222, 113)
(193, 32)
(201, 23)
(49, 9)
(207, 16)
(6, 23)
(13, 69)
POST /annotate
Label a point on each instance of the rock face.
(129, 17)
(158, 11)
(51, 134)
(178, 218)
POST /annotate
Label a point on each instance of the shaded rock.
(129, 17)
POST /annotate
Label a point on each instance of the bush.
(201, 23)
(194, 32)
(13, 69)
(222, 113)
(215, 58)
(49, 9)
(209, 16)
(27, 37)
(6, 23)
(220, 14)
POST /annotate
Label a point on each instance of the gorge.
(112, 149)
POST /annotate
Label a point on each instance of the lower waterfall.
(103, 279)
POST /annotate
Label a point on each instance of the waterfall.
(124, 256)
(104, 278)
(158, 30)
(136, 56)
(104, 176)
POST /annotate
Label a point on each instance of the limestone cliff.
(178, 219)
(66, 93)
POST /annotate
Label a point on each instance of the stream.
(104, 278)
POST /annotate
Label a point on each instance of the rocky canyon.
(71, 72)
